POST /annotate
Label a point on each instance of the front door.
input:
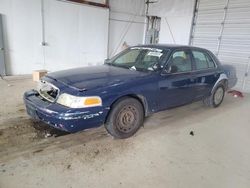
(177, 85)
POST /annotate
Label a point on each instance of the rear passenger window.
(202, 60)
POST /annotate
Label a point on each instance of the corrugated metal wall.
(223, 26)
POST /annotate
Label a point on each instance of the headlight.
(78, 102)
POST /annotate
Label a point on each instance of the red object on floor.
(236, 93)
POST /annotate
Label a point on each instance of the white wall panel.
(176, 19)
(22, 35)
(180, 28)
(127, 24)
(136, 7)
(76, 35)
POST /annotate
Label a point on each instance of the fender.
(223, 76)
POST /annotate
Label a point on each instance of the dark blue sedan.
(132, 85)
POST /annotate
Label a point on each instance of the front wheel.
(125, 118)
(216, 97)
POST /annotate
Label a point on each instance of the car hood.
(86, 78)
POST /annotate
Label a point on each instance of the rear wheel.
(125, 118)
(216, 97)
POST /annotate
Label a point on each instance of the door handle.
(1, 49)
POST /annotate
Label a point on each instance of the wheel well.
(225, 83)
(140, 98)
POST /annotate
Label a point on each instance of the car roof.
(169, 46)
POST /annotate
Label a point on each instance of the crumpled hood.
(86, 78)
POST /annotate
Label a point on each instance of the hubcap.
(218, 96)
(127, 119)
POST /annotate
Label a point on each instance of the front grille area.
(48, 91)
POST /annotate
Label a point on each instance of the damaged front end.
(42, 105)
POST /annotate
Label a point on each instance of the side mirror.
(156, 66)
(170, 70)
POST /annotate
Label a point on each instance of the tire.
(217, 96)
(125, 118)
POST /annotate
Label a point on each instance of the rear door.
(205, 73)
(177, 83)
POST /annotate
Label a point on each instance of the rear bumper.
(60, 117)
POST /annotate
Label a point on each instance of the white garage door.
(223, 26)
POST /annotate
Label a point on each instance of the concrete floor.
(162, 154)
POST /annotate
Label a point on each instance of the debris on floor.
(24, 131)
(69, 166)
(236, 93)
(191, 133)
(47, 135)
(46, 131)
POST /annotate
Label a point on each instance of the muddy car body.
(134, 84)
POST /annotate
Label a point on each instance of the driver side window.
(179, 62)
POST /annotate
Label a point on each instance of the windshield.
(139, 59)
